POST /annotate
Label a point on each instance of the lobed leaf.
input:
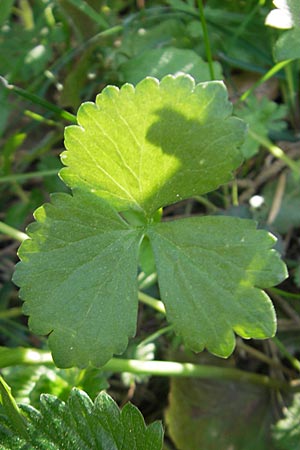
(78, 276)
(135, 151)
(210, 272)
(153, 145)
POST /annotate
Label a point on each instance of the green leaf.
(159, 62)
(286, 16)
(218, 414)
(11, 408)
(6, 7)
(81, 424)
(262, 116)
(286, 432)
(135, 151)
(78, 276)
(211, 271)
(159, 143)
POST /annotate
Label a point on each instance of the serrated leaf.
(81, 424)
(140, 149)
(211, 271)
(285, 17)
(81, 283)
(153, 145)
(286, 432)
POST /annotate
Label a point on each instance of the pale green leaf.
(211, 271)
(155, 144)
(78, 278)
(81, 424)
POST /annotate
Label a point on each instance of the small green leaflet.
(81, 424)
(137, 150)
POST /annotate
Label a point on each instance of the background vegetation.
(56, 54)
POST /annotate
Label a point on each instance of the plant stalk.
(12, 232)
(30, 356)
(206, 40)
(153, 302)
(276, 151)
(39, 101)
(19, 177)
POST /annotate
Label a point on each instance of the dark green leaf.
(81, 424)
(218, 415)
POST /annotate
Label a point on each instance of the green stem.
(10, 313)
(155, 335)
(241, 29)
(153, 302)
(176, 369)
(12, 232)
(146, 281)
(262, 357)
(235, 193)
(85, 8)
(294, 361)
(284, 293)
(19, 355)
(26, 176)
(206, 40)
(39, 101)
(40, 119)
(292, 91)
(275, 151)
(266, 77)
(205, 202)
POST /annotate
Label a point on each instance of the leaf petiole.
(19, 355)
